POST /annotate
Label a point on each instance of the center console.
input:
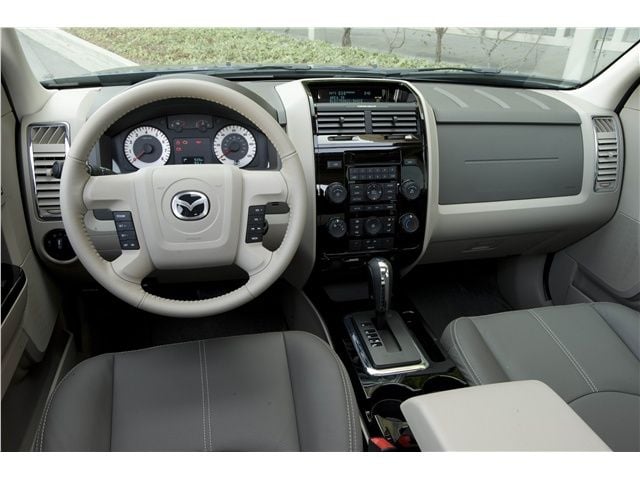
(371, 205)
(371, 172)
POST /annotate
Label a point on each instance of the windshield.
(562, 57)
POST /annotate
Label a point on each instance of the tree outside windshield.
(573, 55)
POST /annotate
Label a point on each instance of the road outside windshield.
(568, 55)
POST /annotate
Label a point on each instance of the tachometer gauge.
(146, 146)
(234, 145)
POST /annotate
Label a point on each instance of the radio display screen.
(351, 95)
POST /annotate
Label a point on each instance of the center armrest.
(513, 416)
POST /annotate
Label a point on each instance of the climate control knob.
(374, 191)
(409, 223)
(410, 189)
(337, 227)
(336, 193)
(373, 225)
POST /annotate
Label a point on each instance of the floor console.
(371, 173)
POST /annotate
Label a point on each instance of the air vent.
(47, 144)
(609, 155)
(340, 123)
(394, 122)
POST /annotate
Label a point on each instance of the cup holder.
(392, 391)
(386, 412)
(440, 383)
(390, 420)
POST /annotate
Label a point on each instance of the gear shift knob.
(380, 278)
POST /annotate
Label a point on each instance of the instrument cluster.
(189, 139)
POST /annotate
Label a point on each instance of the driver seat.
(281, 391)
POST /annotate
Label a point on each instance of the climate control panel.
(371, 200)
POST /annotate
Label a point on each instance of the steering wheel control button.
(129, 245)
(120, 226)
(122, 217)
(126, 230)
(256, 223)
(127, 235)
(190, 206)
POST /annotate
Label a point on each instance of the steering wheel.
(220, 197)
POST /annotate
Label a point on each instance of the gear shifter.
(380, 282)
(381, 337)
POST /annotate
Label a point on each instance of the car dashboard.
(417, 171)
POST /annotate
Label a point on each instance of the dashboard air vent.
(394, 122)
(48, 143)
(609, 155)
(340, 123)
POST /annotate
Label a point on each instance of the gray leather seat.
(266, 392)
(588, 353)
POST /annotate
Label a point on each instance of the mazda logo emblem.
(190, 205)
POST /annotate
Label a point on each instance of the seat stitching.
(46, 413)
(113, 398)
(204, 430)
(43, 421)
(348, 398)
(458, 345)
(604, 319)
(565, 350)
(350, 408)
(293, 397)
(206, 379)
(569, 402)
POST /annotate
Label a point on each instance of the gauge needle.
(146, 148)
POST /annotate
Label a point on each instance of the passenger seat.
(588, 353)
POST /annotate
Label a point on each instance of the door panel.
(31, 328)
(605, 266)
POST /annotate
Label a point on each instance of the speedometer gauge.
(146, 146)
(234, 145)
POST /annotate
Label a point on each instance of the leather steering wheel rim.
(81, 192)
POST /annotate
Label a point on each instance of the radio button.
(355, 245)
(373, 225)
(410, 189)
(336, 193)
(337, 227)
(409, 223)
(374, 191)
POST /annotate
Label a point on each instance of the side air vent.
(609, 155)
(47, 144)
(394, 122)
(340, 123)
